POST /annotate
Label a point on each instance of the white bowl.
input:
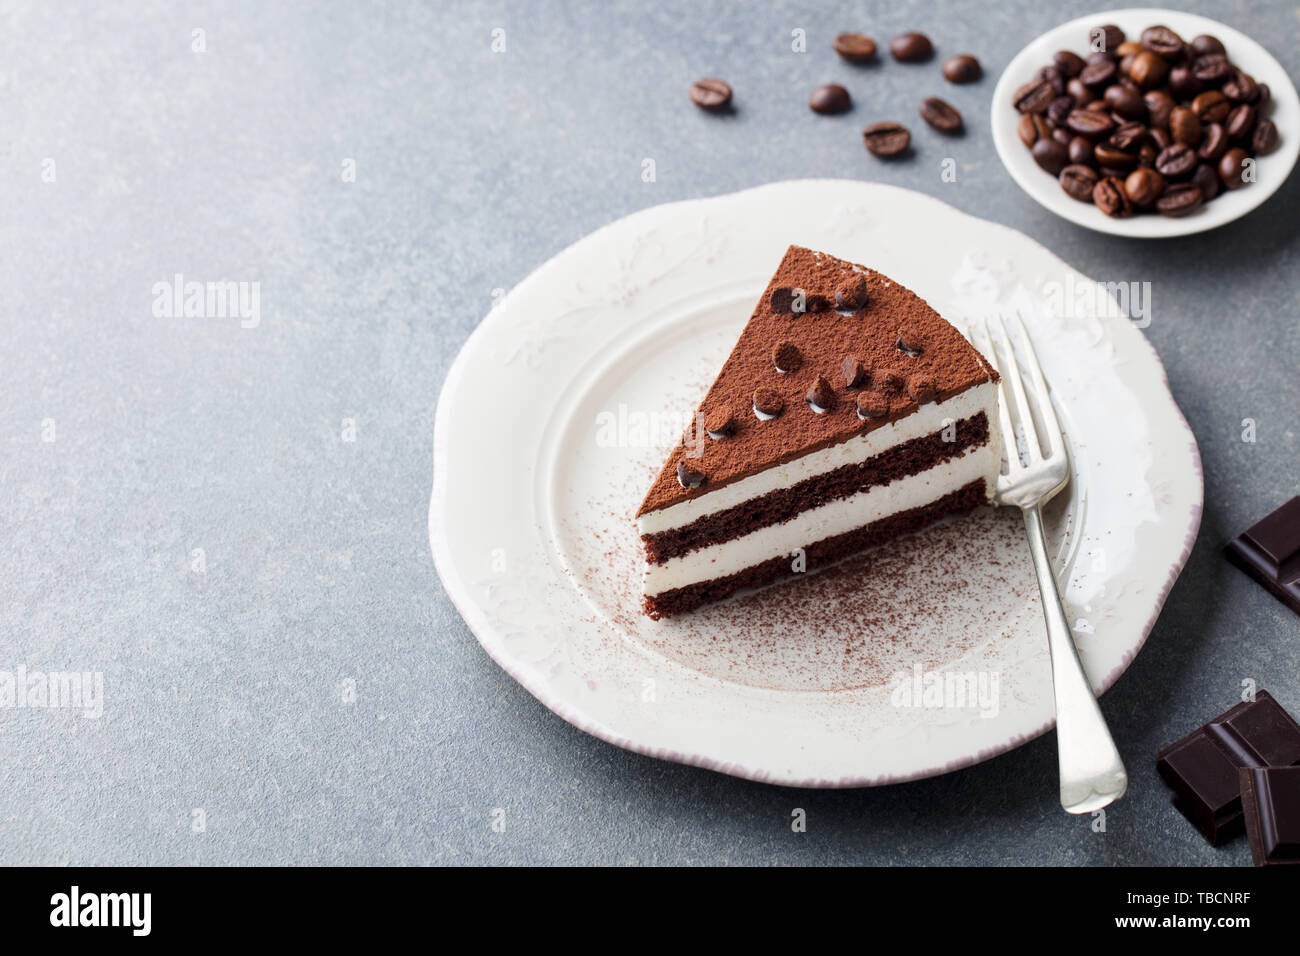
(1272, 170)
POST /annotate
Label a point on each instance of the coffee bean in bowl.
(1145, 123)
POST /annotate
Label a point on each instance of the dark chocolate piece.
(1270, 798)
(1270, 553)
(1202, 766)
(689, 477)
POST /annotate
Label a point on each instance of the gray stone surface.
(223, 688)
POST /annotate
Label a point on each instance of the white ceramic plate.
(559, 409)
(1272, 170)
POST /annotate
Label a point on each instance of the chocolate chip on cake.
(872, 405)
(911, 347)
(688, 477)
(720, 423)
(787, 301)
(851, 294)
(921, 388)
(890, 380)
(821, 395)
(786, 357)
(768, 403)
(854, 372)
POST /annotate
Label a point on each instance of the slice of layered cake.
(848, 413)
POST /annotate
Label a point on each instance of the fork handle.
(1092, 773)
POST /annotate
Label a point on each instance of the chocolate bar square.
(1270, 553)
(1203, 767)
(1270, 799)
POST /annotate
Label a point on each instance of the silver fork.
(1092, 773)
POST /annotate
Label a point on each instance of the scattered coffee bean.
(1214, 142)
(911, 47)
(711, 93)
(962, 68)
(1034, 97)
(1180, 199)
(855, 47)
(886, 139)
(1162, 41)
(1109, 196)
(1232, 168)
(1079, 180)
(1184, 126)
(1176, 161)
(942, 115)
(1211, 106)
(1110, 35)
(1069, 63)
(1051, 155)
(1144, 186)
(830, 98)
(1206, 178)
(1205, 43)
(1265, 137)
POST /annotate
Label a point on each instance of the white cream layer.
(927, 420)
(833, 518)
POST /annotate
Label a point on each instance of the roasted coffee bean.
(1099, 74)
(855, 47)
(1128, 48)
(1162, 41)
(1214, 142)
(1110, 157)
(1031, 128)
(1034, 96)
(1206, 178)
(1078, 181)
(711, 93)
(1184, 126)
(1081, 93)
(1264, 99)
(1265, 137)
(964, 68)
(1241, 88)
(1129, 137)
(1148, 69)
(1098, 106)
(888, 139)
(1091, 124)
(1051, 155)
(1100, 55)
(1144, 186)
(1212, 69)
(1205, 43)
(829, 99)
(1059, 110)
(1129, 83)
(1062, 135)
(1183, 82)
(1241, 122)
(1180, 199)
(911, 47)
(1126, 102)
(1071, 64)
(1109, 196)
(1176, 161)
(1161, 138)
(1211, 106)
(1147, 155)
(1232, 169)
(1126, 64)
(1081, 151)
(1054, 76)
(1159, 105)
(942, 115)
(1110, 36)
